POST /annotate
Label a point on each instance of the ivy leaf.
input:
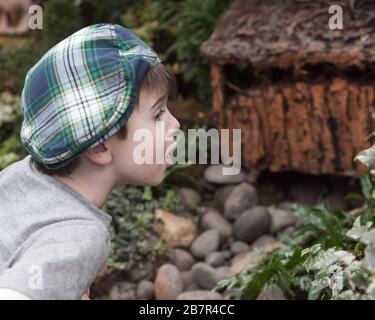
(357, 231)
(367, 157)
(354, 196)
(369, 237)
(369, 260)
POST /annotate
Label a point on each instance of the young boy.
(82, 103)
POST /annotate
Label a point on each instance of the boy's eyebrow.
(158, 101)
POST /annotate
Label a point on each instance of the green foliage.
(340, 274)
(321, 225)
(15, 62)
(132, 233)
(61, 19)
(178, 28)
(11, 148)
(283, 267)
(330, 255)
(194, 22)
(144, 20)
(368, 196)
(171, 201)
(9, 110)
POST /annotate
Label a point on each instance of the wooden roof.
(295, 33)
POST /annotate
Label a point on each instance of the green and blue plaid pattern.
(82, 91)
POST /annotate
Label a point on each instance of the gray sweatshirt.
(53, 242)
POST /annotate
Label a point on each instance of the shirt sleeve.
(60, 261)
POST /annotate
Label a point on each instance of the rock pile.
(230, 237)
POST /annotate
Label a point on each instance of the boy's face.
(152, 119)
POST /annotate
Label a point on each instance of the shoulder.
(66, 256)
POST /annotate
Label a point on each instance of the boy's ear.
(99, 155)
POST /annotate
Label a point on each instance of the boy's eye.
(159, 114)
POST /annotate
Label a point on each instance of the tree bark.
(316, 128)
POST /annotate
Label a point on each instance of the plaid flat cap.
(81, 92)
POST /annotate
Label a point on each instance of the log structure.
(14, 16)
(306, 98)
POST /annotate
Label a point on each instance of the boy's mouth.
(169, 156)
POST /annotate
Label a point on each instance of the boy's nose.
(175, 124)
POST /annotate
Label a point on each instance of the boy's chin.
(148, 178)
(156, 179)
(153, 183)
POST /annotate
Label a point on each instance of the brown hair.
(158, 80)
